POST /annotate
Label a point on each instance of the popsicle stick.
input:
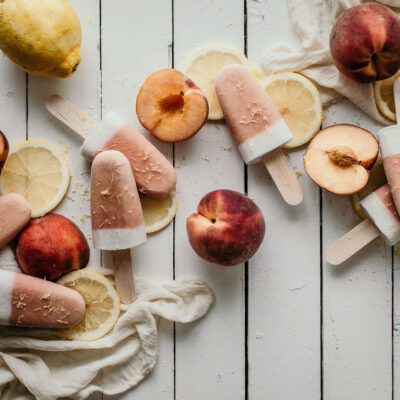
(70, 115)
(353, 241)
(396, 92)
(283, 176)
(123, 274)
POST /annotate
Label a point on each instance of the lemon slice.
(384, 98)
(203, 64)
(376, 179)
(39, 171)
(158, 213)
(299, 102)
(102, 305)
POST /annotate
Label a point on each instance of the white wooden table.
(285, 326)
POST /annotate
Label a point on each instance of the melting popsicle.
(117, 217)
(389, 140)
(153, 173)
(383, 221)
(15, 213)
(35, 303)
(256, 126)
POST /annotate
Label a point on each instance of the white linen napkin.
(312, 20)
(36, 365)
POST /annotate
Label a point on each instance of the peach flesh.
(171, 106)
(339, 157)
(4, 149)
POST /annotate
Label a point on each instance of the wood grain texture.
(351, 242)
(83, 88)
(284, 276)
(293, 305)
(283, 176)
(357, 310)
(136, 39)
(210, 354)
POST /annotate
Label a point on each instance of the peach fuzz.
(228, 228)
(51, 246)
(365, 43)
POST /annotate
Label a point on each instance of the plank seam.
(172, 49)
(321, 289)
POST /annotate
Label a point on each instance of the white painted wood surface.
(285, 326)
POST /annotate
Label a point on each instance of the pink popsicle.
(36, 303)
(15, 213)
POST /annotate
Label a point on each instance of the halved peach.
(171, 106)
(4, 149)
(339, 158)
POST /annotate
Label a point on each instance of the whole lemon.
(43, 37)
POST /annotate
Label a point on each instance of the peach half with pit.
(227, 229)
(171, 106)
(4, 149)
(339, 158)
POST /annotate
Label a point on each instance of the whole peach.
(51, 246)
(365, 43)
(228, 228)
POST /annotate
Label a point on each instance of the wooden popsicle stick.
(123, 274)
(396, 92)
(70, 115)
(283, 176)
(353, 241)
(77, 120)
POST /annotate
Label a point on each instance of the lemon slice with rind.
(102, 305)
(39, 171)
(158, 212)
(203, 64)
(384, 98)
(299, 103)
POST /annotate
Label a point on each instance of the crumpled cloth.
(312, 20)
(34, 364)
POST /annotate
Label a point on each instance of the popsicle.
(383, 221)
(389, 140)
(257, 127)
(35, 303)
(15, 213)
(117, 217)
(153, 173)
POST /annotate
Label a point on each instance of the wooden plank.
(136, 41)
(210, 354)
(357, 307)
(12, 101)
(83, 88)
(396, 323)
(284, 279)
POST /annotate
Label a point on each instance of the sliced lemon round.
(39, 171)
(158, 213)
(376, 179)
(384, 98)
(102, 305)
(299, 102)
(203, 64)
